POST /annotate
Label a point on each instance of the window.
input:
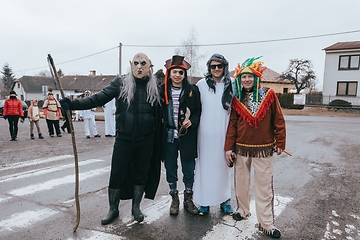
(349, 62)
(285, 90)
(346, 88)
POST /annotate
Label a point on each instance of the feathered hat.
(250, 66)
(175, 62)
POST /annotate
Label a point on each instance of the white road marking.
(25, 219)
(159, 208)
(230, 229)
(332, 230)
(31, 189)
(153, 212)
(5, 199)
(35, 161)
(96, 235)
(37, 172)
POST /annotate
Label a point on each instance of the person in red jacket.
(12, 112)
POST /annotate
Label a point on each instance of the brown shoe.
(174, 207)
(189, 204)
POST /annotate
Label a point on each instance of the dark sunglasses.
(219, 66)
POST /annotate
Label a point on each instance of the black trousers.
(171, 165)
(131, 155)
(66, 124)
(13, 125)
(51, 124)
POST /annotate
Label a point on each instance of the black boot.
(41, 136)
(114, 199)
(138, 193)
(189, 204)
(174, 207)
(32, 136)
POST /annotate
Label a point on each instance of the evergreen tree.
(8, 77)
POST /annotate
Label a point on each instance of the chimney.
(92, 73)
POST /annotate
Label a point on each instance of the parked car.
(24, 107)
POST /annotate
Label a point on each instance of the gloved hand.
(5, 117)
(22, 120)
(66, 104)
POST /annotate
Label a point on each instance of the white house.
(29, 87)
(342, 72)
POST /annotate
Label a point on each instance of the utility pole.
(120, 58)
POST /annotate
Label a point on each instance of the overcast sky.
(75, 29)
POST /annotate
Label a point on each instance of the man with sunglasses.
(212, 174)
(182, 109)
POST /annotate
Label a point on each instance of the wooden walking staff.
(58, 83)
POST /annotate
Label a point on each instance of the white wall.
(332, 75)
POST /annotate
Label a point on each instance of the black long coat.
(99, 99)
(189, 97)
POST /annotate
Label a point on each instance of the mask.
(140, 65)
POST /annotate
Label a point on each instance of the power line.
(202, 45)
(72, 59)
(249, 42)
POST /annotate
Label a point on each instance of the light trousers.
(37, 124)
(263, 184)
(92, 123)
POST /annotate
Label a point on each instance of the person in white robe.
(212, 174)
(88, 116)
(109, 116)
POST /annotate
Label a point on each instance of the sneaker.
(237, 217)
(51, 135)
(226, 207)
(59, 135)
(274, 233)
(97, 135)
(87, 136)
(203, 210)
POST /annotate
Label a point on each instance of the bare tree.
(60, 72)
(44, 73)
(190, 50)
(300, 73)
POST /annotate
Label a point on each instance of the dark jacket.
(135, 122)
(189, 97)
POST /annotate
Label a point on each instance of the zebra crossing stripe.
(25, 219)
(230, 229)
(96, 235)
(47, 170)
(34, 162)
(53, 183)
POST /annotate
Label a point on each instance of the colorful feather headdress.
(249, 67)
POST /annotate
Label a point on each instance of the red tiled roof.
(343, 46)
